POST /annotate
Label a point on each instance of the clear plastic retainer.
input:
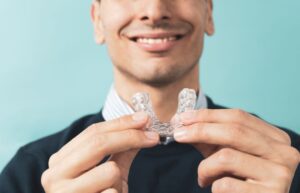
(186, 101)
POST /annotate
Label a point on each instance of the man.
(155, 46)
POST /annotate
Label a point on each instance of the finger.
(226, 135)
(124, 161)
(110, 190)
(101, 145)
(281, 153)
(98, 179)
(239, 138)
(135, 121)
(230, 162)
(236, 116)
(232, 185)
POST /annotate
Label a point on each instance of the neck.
(164, 98)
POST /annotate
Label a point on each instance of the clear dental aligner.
(186, 101)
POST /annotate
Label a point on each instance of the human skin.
(242, 152)
(74, 168)
(227, 138)
(160, 73)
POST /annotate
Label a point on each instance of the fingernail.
(200, 183)
(139, 116)
(151, 135)
(188, 115)
(180, 133)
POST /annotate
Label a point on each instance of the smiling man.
(156, 46)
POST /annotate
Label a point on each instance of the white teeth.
(156, 40)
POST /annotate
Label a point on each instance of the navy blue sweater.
(161, 169)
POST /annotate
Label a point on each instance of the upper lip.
(155, 35)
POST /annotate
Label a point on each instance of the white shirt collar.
(115, 106)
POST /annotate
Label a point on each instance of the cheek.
(197, 17)
(197, 12)
(115, 15)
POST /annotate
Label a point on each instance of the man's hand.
(74, 168)
(242, 153)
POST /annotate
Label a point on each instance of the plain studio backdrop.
(52, 72)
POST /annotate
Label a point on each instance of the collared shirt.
(159, 169)
(115, 106)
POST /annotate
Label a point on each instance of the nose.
(153, 11)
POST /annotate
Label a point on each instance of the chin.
(156, 73)
(159, 79)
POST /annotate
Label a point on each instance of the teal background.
(52, 72)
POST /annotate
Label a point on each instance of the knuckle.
(238, 130)
(222, 185)
(52, 160)
(202, 172)
(284, 174)
(294, 155)
(92, 129)
(113, 170)
(98, 142)
(51, 183)
(239, 114)
(286, 138)
(235, 131)
(46, 179)
(225, 155)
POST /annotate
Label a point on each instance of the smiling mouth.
(156, 40)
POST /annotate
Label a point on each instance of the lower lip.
(158, 47)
